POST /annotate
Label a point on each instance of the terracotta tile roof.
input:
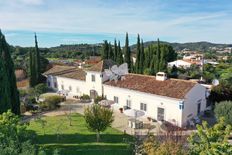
(171, 88)
(56, 70)
(102, 65)
(66, 71)
(77, 74)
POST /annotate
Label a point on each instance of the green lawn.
(77, 139)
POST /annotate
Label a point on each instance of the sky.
(92, 21)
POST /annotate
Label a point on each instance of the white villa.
(172, 100)
(180, 63)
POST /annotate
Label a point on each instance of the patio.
(121, 123)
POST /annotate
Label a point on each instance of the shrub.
(85, 97)
(40, 89)
(98, 99)
(51, 102)
(224, 109)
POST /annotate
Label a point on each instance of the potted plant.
(121, 110)
(149, 119)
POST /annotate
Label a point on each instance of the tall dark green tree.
(105, 50)
(162, 60)
(127, 53)
(157, 57)
(141, 61)
(37, 62)
(111, 53)
(32, 80)
(119, 55)
(115, 50)
(137, 63)
(9, 95)
(34, 62)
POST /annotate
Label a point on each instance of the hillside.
(193, 46)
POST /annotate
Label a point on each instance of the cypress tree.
(141, 61)
(111, 53)
(115, 50)
(32, 80)
(137, 63)
(35, 72)
(162, 61)
(105, 50)
(9, 92)
(119, 55)
(5, 102)
(37, 62)
(127, 53)
(157, 58)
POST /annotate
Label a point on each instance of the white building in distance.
(180, 64)
(162, 99)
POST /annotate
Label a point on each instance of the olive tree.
(224, 109)
(211, 141)
(98, 118)
(14, 138)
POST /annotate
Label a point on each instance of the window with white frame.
(128, 103)
(93, 77)
(115, 99)
(143, 106)
(181, 105)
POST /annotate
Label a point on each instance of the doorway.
(160, 114)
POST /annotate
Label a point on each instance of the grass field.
(77, 139)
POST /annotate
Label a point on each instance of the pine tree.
(127, 53)
(141, 61)
(115, 50)
(137, 63)
(9, 93)
(119, 55)
(111, 53)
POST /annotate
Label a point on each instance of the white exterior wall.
(83, 86)
(191, 101)
(78, 87)
(97, 84)
(171, 105)
(179, 63)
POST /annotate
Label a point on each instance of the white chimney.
(161, 76)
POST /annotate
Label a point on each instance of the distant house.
(93, 60)
(162, 99)
(180, 64)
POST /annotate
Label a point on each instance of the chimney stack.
(161, 76)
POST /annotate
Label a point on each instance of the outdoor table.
(135, 124)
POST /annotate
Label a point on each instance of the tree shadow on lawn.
(90, 149)
(83, 138)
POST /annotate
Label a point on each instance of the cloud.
(176, 21)
(29, 2)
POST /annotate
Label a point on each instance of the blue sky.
(92, 21)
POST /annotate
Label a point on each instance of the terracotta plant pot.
(149, 119)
